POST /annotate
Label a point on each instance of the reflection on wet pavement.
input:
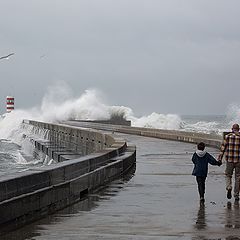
(232, 215)
(157, 201)
(201, 218)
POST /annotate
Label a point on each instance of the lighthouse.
(10, 103)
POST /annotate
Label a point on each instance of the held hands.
(219, 163)
(220, 156)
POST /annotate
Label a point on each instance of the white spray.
(58, 105)
(233, 114)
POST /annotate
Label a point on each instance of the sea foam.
(89, 106)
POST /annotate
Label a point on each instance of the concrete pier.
(212, 140)
(160, 201)
(30, 195)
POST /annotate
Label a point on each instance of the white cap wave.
(58, 105)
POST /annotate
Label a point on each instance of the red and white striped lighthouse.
(10, 103)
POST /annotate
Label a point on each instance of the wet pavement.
(158, 200)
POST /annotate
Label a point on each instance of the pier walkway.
(157, 201)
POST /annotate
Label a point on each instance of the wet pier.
(159, 200)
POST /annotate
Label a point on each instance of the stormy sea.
(16, 152)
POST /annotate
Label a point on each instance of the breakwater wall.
(212, 140)
(30, 195)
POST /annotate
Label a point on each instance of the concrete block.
(79, 185)
(57, 175)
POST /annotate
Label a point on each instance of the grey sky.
(168, 56)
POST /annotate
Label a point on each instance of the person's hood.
(201, 153)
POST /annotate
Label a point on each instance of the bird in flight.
(7, 56)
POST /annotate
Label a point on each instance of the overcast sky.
(167, 56)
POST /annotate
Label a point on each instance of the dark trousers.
(201, 186)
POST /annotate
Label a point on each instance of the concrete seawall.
(212, 140)
(87, 159)
(29, 195)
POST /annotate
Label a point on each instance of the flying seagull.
(7, 56)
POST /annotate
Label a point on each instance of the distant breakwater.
(212, 140)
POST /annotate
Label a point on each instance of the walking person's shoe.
(229, 193)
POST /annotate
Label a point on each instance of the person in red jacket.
(201, 159)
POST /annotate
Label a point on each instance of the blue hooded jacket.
(201, 159)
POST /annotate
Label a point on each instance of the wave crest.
(58, 105)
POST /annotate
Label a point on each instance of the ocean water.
(16, 152)
(14, 148)
(206, 123)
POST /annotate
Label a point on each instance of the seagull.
(7, 56)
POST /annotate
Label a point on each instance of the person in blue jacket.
(201, 159)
